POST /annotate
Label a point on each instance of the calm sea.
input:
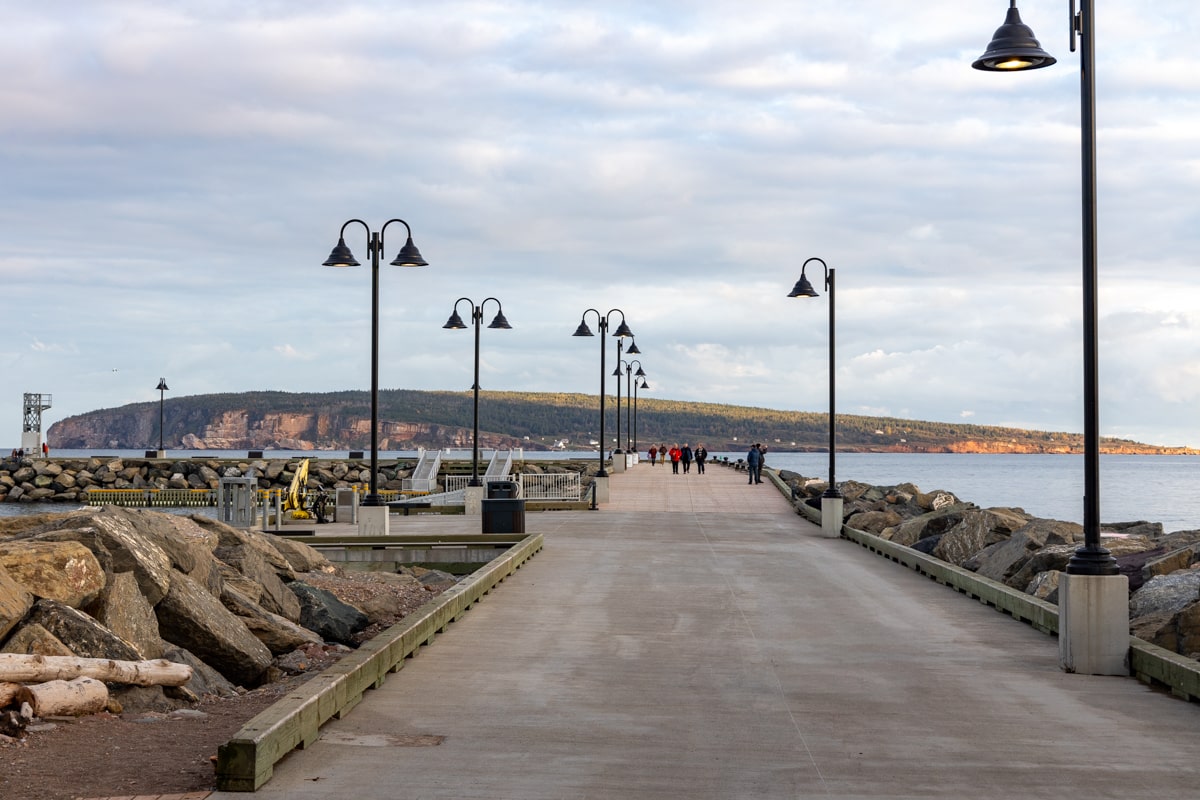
(1153, 488)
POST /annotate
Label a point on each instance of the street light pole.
(1093, 597)
(341, 256)
(831, 498)
(635, 403)
(617, 374)
(455, 323)
(1013, 48)
(631, 384)
(621, 332)
(162, 387)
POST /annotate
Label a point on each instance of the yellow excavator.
(294, 500)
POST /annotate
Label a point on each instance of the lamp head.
(633, 349)
(617, 372)
(1013, 47)
(623, 330)
(583, 329)
(162, 386)
(803, 288)
(409, 256)
(640, 373)
(500, 322)
(644, 384)
(455, 322)
(341, 256)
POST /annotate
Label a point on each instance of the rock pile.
(135, 585)
(1029, 553)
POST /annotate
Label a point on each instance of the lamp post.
(635, 403)
(621, 332)
(162, 388)
(455, 323)
(617, 374)
(831, 498)
(631, 386)
(341, 256)
(1093, 601)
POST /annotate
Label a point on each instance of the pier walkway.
(695, 638)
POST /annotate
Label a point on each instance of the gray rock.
(193, 619)
(1165, 594)
(325, 615)
(931, 523)
(1004, 559)
(874, 521)
(275, 595)
(31, 639)
(978, 529)
(63, 571)
(205, 679)
(300, 557)
(1044, 586)
(83, 635)
(279, 634)
(123, 609)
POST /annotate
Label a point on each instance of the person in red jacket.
(653, 453)
(675, 453)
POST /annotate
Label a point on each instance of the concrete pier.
(695, 638)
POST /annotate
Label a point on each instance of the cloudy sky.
(174, 174)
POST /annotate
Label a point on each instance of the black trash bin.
(503, 510)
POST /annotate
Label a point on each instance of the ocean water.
(1162, 489)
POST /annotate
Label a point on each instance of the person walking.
(675, 454)
(754, 463)
(686, 457)
(762, 460)
(701, 456)
(653, 453)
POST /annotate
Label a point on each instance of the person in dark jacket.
(701, 456)
(685, 455)
(754, 464)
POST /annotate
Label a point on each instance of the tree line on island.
(535, 420)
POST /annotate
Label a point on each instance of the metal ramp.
(424, 476)
(455, 498)
(499, 467)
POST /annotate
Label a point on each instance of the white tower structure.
(31, 426)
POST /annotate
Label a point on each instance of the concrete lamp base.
(831, 517)
(474, 501)
(374, 520)
(618, 462)
(601, 489)
(1093, 624)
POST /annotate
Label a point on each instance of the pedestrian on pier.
(675, 454)
(754, 464)
(653, 453)
(686, 456)
(701, 456)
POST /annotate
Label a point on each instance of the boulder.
(123, 609)
(1165, 594)
(15, 602)
(1044, 586)
(229, 536)
(325, 615)
(63, 571)
(275, 596)
(83, 635)
(193, 619)
(929, 524)
(279, 634)
(1170, 562)
(205, 679)
(978, 529)
(31, 639)
(301, 557)
(874, 521)
(1002, 560)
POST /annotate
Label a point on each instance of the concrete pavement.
(695, 638)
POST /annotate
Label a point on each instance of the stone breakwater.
(1029, 553)
(68, 480)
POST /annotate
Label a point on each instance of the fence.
(552, 486)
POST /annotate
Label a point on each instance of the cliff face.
(137, 427)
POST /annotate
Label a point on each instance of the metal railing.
(551, 486)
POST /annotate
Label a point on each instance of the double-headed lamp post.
(831, 499)
(621, 332)
(341, 256)
(631, 389)
(644, 385)
(633, 348)
(1014, 48)
(455, 323)
(162, 388)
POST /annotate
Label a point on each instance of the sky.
(175, 173)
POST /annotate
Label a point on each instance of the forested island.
(534, 420)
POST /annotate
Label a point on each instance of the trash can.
(503, 511)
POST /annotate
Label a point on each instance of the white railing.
(554, 486)
(424, 476)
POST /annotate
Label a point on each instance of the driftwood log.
(8, 691)
(18, 668)
(66, 698)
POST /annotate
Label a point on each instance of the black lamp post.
(162, 387)
(455, 323)
(621, 332)
(635, 402)
(631, 386)
(341, 256)
(1014, 48)
(805, 289)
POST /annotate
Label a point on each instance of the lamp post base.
(374, 520)
(1093, 624)
(473, 499)
(831, 517)
(601, 490)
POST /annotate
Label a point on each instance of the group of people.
(659, 454)
(756, 457)
(19, 452)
